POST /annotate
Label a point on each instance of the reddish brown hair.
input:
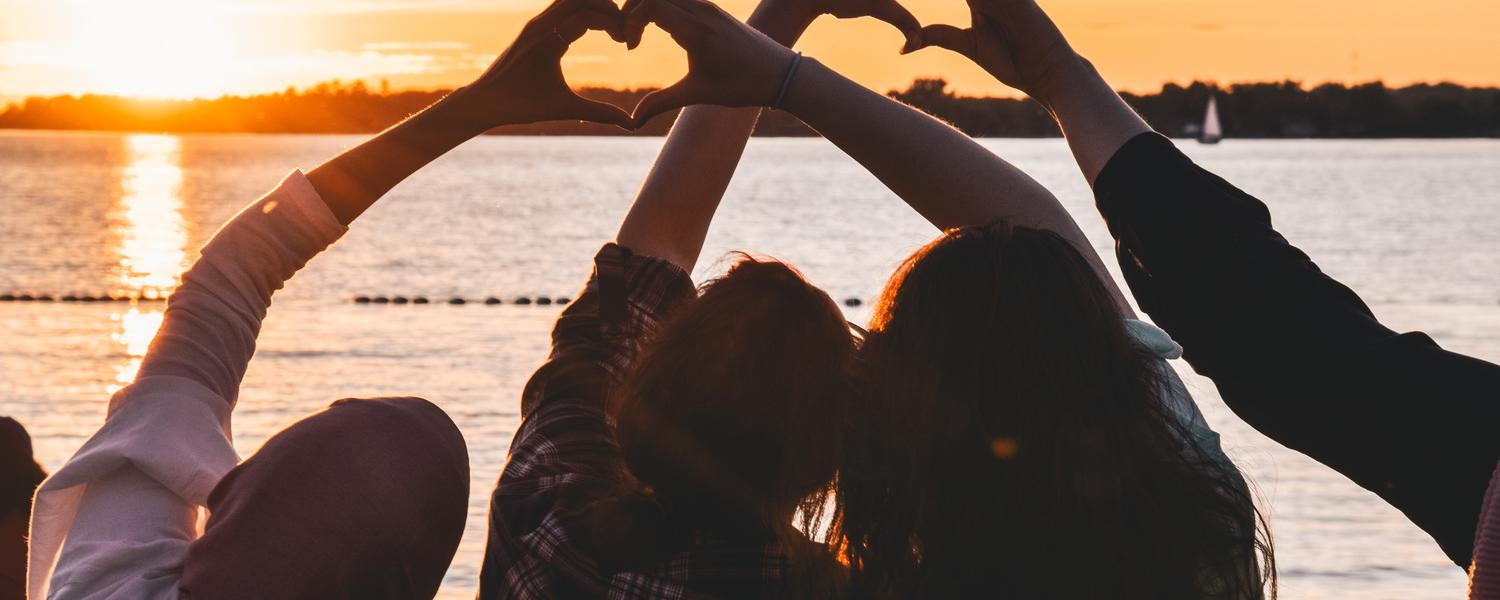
(731, 420)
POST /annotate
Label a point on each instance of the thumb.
(676, 96)
(894, 13)
(601, 112)
(949, 37)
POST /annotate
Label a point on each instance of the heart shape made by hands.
(526, 84)
(729, 64)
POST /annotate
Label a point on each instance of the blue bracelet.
(787, 82)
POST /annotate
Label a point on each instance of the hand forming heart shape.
(729, 64)
(526, 85)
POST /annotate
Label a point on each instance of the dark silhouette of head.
(19, 472)
(19, 477)
(730, 419)
(1012, 441)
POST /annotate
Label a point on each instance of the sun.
(155, 48)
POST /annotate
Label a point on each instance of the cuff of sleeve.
(311, 209)
(1138, 160)
(1153, 338)
(625, 280)
(292, 215)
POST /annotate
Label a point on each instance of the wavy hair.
(728, 424)
(1012, 441)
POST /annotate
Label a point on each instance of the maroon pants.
(366, 499)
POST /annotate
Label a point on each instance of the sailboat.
(1212, 132)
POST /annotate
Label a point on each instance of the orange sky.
(209, 47)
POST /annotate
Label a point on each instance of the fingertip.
(634, 28)
(628, 124)
(642, 115)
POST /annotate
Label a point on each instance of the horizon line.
(8, 101)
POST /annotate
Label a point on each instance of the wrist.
(1063, 80)
(469, 110)
(798, 96)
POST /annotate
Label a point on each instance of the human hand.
(788, 18)
(807, 11)
(1015, 41)
(729, 64)
(526, 85)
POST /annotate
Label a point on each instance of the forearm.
(209, 331)
(939, 171)
(352, 181)
(1094, 118)
(211, 323)
(942, 173)
(676, 204)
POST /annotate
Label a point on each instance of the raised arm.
(673, 209)
(1018, 44)
(942, 173)
(1303, 351)
(524, 85)
(209, 330)
(117, 518)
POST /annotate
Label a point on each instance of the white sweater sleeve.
(116, 520)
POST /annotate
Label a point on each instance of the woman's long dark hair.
(728, 424)
(1012, 442)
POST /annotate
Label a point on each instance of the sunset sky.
(180, 48)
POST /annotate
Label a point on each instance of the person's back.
(1016, 441)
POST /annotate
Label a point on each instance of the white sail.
(1212, 131)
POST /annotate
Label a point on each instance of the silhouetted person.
(366, 499)
(1295, 353)
(20, 473)
(1014, 424)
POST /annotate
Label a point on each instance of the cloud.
(300, 7)
(46, 68)
(320, 65)
(19, 54)
(414, 46)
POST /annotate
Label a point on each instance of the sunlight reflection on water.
(153, 242)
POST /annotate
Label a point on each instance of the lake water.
(1413, 225)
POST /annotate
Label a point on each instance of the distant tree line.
(1251, 110)
(330, 107)
(1248, 110)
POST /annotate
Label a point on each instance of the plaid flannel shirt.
(565, 454)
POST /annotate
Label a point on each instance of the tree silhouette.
(1282, 109)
